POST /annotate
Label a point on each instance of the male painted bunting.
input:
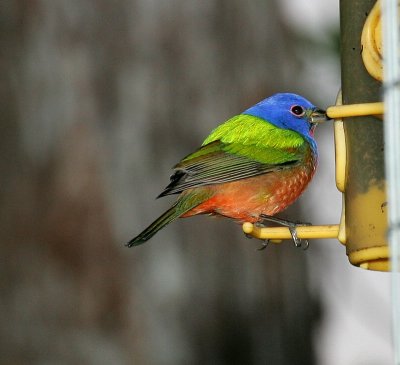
(253, 165)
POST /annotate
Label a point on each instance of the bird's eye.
(297, 110)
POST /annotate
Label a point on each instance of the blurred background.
(100, 99)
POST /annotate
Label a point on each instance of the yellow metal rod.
(355, 110)
(282, 233)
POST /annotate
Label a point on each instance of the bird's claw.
(295, 238)
(298, 242)
(306, 245)
(265, 243)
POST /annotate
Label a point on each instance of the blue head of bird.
(289, 111)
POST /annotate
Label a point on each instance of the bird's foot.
(265, 243)
(298, 242)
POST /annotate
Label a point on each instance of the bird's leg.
(298, 242)
(282, 222)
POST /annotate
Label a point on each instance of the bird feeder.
(359, 146)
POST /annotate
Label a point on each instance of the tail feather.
(183, 205)
(170, 215)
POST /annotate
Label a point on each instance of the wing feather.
(208, 166)
(242, 147)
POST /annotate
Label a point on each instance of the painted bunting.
(255, 164)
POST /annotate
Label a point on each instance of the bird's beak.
(319, 116)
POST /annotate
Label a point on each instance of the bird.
(249, 168)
